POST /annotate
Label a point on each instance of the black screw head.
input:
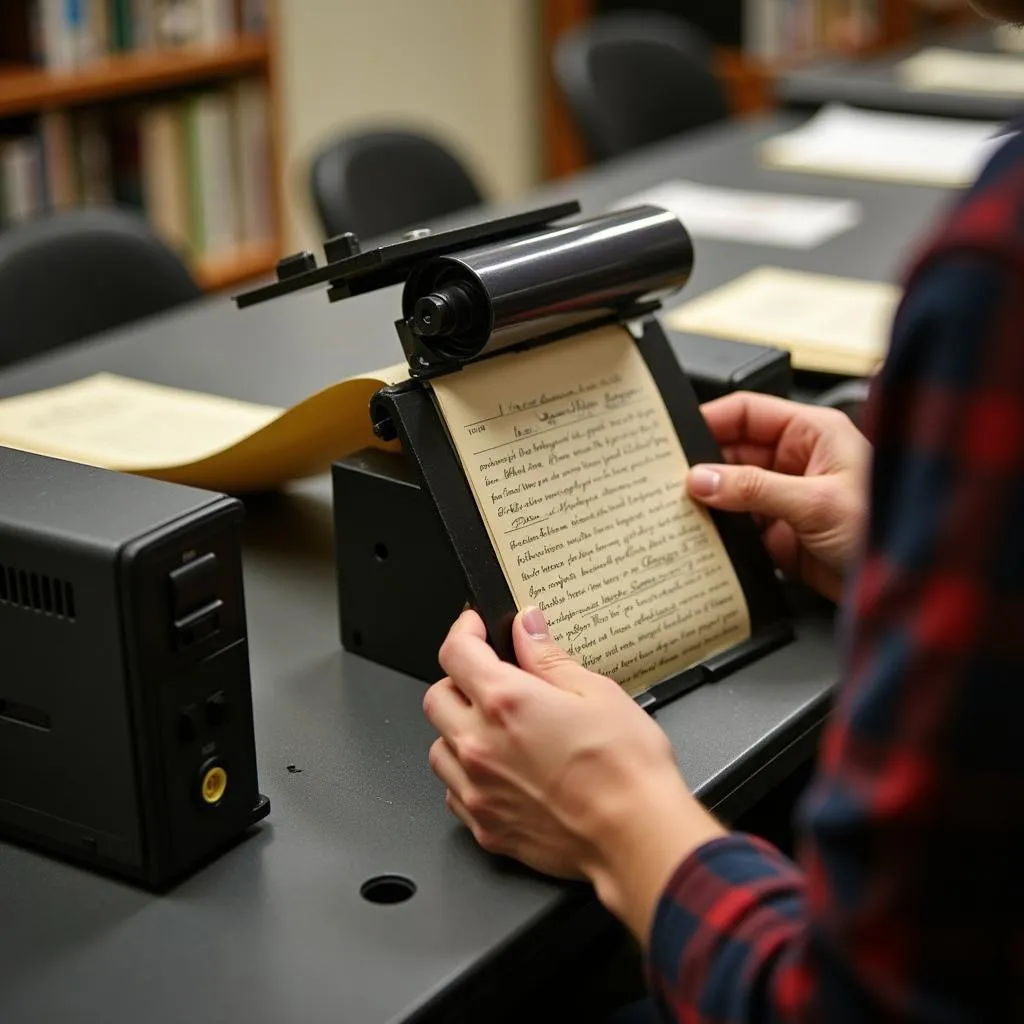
(341, 247)
(297, 263)
(432, 315)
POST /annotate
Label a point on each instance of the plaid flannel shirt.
(909, 903)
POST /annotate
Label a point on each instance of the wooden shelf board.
(220, 272)
(26, 89)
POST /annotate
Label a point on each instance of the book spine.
(58, 50)
(177, 22)
(142, 35)
(120, 28)
(23, 197)
(20, 32)
(76, 19)
(216, 22)
(256, 16)
(99, 24)
(217, 177)
(197, 226)
(5, 187)
(38, 178)
(93, 158)
(251, 16)
(252, 160)
(37, 31)
(125, 159)
(55, 129)
(753, 27)
(165, 173)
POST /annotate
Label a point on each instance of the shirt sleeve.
(910, 903)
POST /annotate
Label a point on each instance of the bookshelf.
(167, 76)
(25, 89)
(748, 79)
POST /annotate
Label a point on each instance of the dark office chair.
(73, 274)
(377, 183)
(634, 79)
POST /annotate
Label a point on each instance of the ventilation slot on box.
(37, 593)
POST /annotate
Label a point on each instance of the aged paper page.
(192, 438)
(829, 324)
(579, 476)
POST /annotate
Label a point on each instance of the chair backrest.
(634, 79)
(76, 273)
(377, 183)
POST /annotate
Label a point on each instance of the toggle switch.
(193, 585)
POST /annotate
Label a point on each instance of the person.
(908, 903)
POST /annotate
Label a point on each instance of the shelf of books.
(24, 89)
(163, 106)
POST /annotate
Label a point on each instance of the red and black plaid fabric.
(909, 902)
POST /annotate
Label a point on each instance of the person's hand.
(559, 768)
(802, 471)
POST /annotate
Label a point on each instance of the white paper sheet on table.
(844, 142)
(761, 218)
(939, 69)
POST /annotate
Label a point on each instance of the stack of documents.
(759, 218)
(828, 324)
(938, 69)
(840, 141)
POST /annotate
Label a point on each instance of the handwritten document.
(579, 476)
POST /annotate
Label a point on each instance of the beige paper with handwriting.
(192, 438)
(579, 476)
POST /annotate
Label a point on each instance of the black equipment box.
(126, 731)
(717, 366)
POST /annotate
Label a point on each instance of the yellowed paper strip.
(191, 438)
(579, 476)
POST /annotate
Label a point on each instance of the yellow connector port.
(214, 784)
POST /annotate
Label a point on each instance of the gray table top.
(276, 930)
(875, 84)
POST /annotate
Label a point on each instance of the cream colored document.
(579, 476)
(938, 69)
(191, 438)
(843, 142)
(829, 324)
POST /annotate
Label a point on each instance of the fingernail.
(704, 482)
(535, 624)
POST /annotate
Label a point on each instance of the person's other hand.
(802, 471)
(559, 768)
